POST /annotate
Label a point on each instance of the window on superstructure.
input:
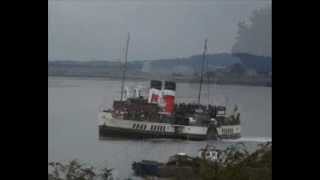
(137, 126)
(134, 125)
(145, 126)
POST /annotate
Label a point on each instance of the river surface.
(73, 105)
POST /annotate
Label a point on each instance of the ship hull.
(105, 132)
(233, 136)
(131, 129)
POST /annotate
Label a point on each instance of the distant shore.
(245, 82)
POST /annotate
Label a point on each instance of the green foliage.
(233, 163)
(74, 170)
(237, 163)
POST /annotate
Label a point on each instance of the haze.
(95, 30)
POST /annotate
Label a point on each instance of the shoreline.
(191, 81)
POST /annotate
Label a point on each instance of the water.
(73, 133)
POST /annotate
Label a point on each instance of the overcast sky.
(96, 29)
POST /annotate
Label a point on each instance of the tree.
(74, 170)
(254, 37)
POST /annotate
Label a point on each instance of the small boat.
(146, 168)
(178, 163)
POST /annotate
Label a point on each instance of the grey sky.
(87, 30)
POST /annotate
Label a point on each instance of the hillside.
(232, 68)
(261, 64)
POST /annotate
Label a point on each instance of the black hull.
(106, 131)
(234, 136)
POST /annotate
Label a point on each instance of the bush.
(236, 163)
(74, 170)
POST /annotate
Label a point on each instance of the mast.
(124, 67)
(202, 66)
(208, 80)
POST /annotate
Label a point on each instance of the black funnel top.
(170, 85)
(155, 84)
